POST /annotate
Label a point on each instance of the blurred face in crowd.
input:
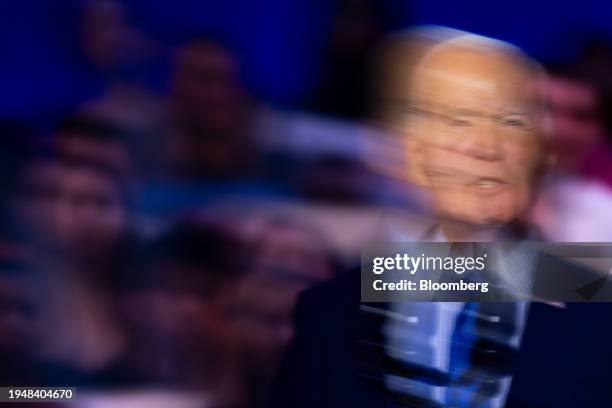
(261, 316)
(288, 258)
(111, 152)
(576, 124)
(206, 86)
(184, 310)
(473, 141)
(76, 209)
(104, 32)
(210, 113)
(18, 314)
(290, 251)
(107, 37)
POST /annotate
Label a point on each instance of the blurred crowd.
(158, 240)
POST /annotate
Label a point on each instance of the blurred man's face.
(171, 317)
(74, 209)
(186, 309)
(103, 32)
(474, 142)
(108, 39)
(292, 252)
(111, 153)
(206, 87)
(211, 113)
(261, 316)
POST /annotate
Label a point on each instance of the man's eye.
(458, 122)
(515, 122)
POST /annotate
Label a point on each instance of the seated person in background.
(173, 302)
(473, 141)
(19, 326)
(578, 124)
(288, 256)
(21, 332)
(88, 138)
(208, 147)
(283, 246)
(73, 216)
(260, 316)
(72, 207)
(210, 116)
(575, 202)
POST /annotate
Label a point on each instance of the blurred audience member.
(210, 145)
(260, 314)
(210, 114)
(18, 143)
(174, 306)
(344, 88)
(74, 214)
(288, 256)
(108, 39)
(91, 139)
(575, 199)
(577, 123)
(123, 55)
(21, 334)
(73, 207)
(595, 61)
(286, 247)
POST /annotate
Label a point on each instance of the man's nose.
(482, 141)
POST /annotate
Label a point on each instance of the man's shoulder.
(340, 291)
(330, 302)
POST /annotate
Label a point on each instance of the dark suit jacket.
(336, 358)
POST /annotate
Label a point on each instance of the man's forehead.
(464, 89)
(478, 109)
(479, 68)
(473, 97)
(473, 52)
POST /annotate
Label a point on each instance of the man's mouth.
(480, 184)
(489, 184)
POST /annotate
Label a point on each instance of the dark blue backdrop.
(280, 41)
